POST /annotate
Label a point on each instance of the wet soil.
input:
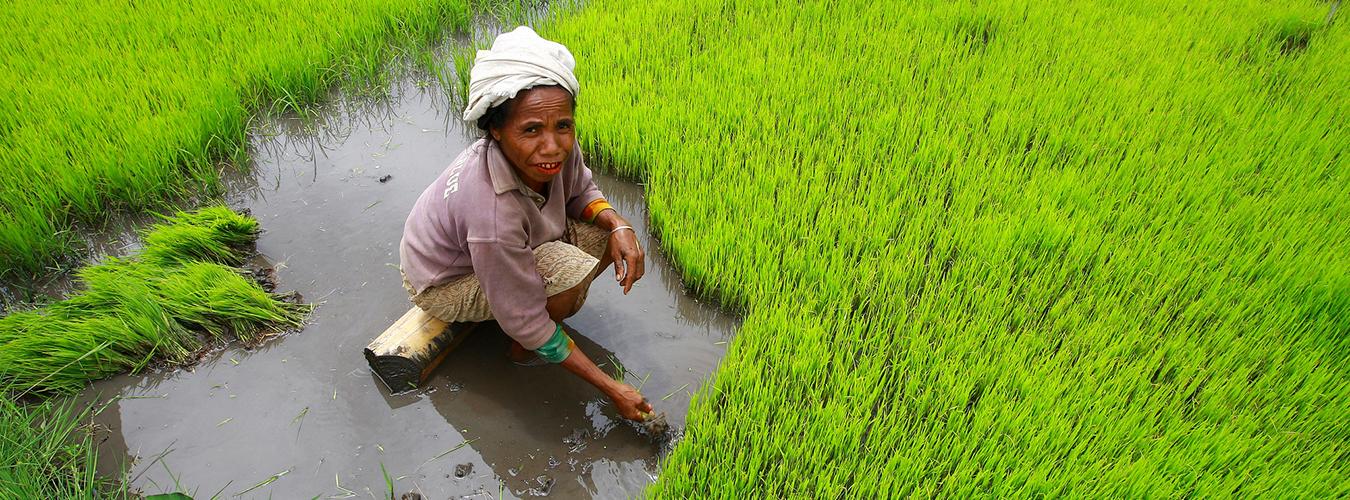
(305, 409)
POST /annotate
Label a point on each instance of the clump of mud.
(541, 486)
(264, 276)
(463, 470)
(659, 431)
(264, 273)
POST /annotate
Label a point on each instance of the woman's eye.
(531, 129)
(565, 126)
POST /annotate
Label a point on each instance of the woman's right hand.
(629, 402)
(626, 399)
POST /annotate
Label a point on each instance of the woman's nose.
(552, 144)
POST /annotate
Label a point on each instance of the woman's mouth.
(548, 168)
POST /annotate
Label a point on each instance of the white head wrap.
(517, 61)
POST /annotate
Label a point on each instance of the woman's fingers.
(629, 265)
(616, 255)
(641, 265)
(634, 265)
(627, 282)
(631, 404)
(633, 268)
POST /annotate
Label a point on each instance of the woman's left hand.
(629, 260)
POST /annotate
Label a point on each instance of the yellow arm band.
(594, 209)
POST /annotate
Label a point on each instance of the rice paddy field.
(119, 106)
(1093, 249)
(1088, 249)
(126, 107)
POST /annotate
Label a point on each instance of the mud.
(304, 415)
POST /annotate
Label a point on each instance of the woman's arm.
(629, 259)
(630, 404)
(582, 204)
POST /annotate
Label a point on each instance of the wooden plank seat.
(410, 349)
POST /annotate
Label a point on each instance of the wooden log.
(407, 352)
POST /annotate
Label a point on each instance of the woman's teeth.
(548, 167)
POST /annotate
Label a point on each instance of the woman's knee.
(566, 304)
(560, 306)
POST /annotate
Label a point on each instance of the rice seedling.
(998, 248)
(160, 305)
(346, 493)
(270, 479)
(133, 311)
(47, 452)
(462, 59)
(126, 106)
(388, 482)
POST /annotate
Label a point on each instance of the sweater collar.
(504, 178)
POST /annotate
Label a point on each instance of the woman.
(515, 229)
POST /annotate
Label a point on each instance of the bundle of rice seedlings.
(159, 306)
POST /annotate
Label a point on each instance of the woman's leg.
(560, 306)
(564, 305)
(592, 240)
(560, 264)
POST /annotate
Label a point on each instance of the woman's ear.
(492, 131)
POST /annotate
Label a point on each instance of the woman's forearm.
(578, 363)
(609, 219)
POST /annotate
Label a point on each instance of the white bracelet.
(621, 228)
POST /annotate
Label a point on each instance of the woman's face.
(537, 135)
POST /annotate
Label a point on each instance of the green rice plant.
(462, 58)
(133, 311)
(48, 452)
(1088, 249)
(210, 234)
(507, 12)
(112, 106)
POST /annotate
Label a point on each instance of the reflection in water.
(533, 421)
(305, 408)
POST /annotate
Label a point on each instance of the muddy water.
(305, 409)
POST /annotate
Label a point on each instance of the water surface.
(305, 409)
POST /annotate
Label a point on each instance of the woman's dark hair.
(496, 115)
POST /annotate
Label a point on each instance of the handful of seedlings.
(655, 427)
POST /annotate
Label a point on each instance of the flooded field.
(304, 417)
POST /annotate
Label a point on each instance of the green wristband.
(557, 348)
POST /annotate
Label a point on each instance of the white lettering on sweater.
(452, 181)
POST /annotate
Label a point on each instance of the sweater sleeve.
(515, 292)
